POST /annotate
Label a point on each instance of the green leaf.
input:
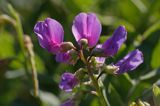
(114, 95)
(155, 62)
(156, 95)
(95, 102)
(122, 84)
(49, 99)
(150, 30)
(7, 40)
(116, 21)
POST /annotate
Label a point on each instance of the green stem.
(34, 72)
(102, 98)
(18, 27)
(16, 22)
(29, 48)
(20, 37)
(98, 89)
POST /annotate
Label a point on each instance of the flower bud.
(133, 104)
(27, 42)
(65, 46)
(83, 42)
(110, 69)
(68, 82)
(139, 103)
(80, 73)
(130, 62)
(69, 57)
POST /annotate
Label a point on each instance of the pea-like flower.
(68, 82)
(50, 35)
(112, 45)
(87, 26)
(86, 29)
(129, 62)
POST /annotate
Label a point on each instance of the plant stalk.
(102, 99)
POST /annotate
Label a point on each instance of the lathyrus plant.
(86, 29)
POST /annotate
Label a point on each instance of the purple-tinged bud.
(100, 60)
(130, 62)
(112, 45)
(68, 82)
(83, 42)
(87, 26)
(65, 46)
(69, 57)
(69, 102)
(50, 34)
(110, 69)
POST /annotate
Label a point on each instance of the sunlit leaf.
(155, 62)
(156, 95)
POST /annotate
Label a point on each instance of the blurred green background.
(142, 20)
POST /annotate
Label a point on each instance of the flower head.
(112, 45)
(50, 34)
(68, 82)
(129, 62)
(87, 26)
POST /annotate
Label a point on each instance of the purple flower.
(50, 34)
(69, 102)
(129, 62)
(112, 45)
(86, 26)
(100, 60)
(68, 82)
(69, 57)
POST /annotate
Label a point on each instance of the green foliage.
(156, 95)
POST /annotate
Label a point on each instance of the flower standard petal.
(50, 34)
(112, 45)
(130, 62)
(87, 26)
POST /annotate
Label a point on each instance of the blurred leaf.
(122, 85)
(137, 90)
(95, 102)
(103, 38)
(7, 40)
(49, 99)
(155, 62)
(154, 74)
(39, 64)
(84, 5)
(156, 95)
(140, 5)
(115, 21)
(151, 29)
(114, 95)
(4, 63)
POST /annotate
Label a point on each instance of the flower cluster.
(86, 29)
